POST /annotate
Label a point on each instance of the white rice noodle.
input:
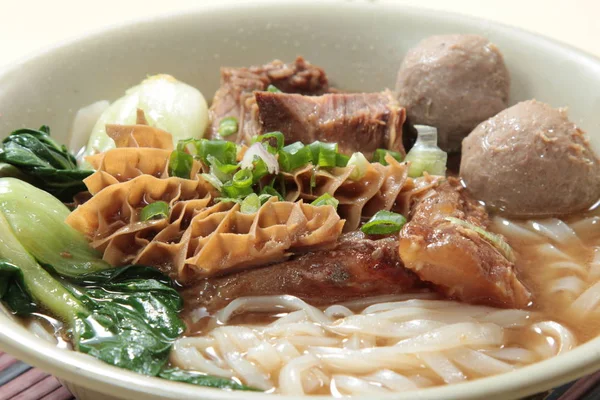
(572, 285)
(587, 228)
(270, 304)
(290, 377)
(559, 338)
(478, 362)
(442, 366)
(515, 355)
(594, 273)
(556, 230)
(346, 385)
(587, 302)
(392, 380)
(515, 231)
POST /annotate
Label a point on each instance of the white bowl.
(360, 45)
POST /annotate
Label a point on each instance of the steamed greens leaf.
(33, 154)
(196, 378)
(37, 219)
(127, 316)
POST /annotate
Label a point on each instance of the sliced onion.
(258, 150)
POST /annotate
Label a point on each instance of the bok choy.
(127, 316)
(36, 158)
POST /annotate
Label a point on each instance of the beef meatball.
(453, 82)
(531, 161)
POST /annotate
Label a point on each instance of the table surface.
(28, 26)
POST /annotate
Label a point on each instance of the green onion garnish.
(495, 240)
(324, 154)
(213, 180)
(223, 172)
(242, 179)
(156, 210)
(270, 192)
(360, 164)
(341, 160)
(326, 200)
(225, 152)
(379, 156)
(228, 126)
(250, 204)
(294, 156)
(278, 136)
(273, 89)
(384, 223)
(426, 156)
(234, 192)
(180, 164)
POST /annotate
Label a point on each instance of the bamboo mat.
(19, 381)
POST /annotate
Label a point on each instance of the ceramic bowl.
(360, 45)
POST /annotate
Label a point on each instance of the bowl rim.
(92, 374)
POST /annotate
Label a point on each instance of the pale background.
(26, 26)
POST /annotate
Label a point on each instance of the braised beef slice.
(356, 267)
(237, 85)
(456, 259)
(356, 121)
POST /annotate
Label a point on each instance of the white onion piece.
(83, 123)
(258, 150)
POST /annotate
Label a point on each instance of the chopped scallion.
(180, 164)
(156, 210)
(383, 223)
(213, 180)
(379, 156)
(360, 164)
(341, 160)
(250, 204)
(228, 126)
(273, 89)
(270, 192)
(225, 152)
(279, 139)
(426, 156)
(324, 154)
(294, 156)
(230, 190)
(223, 172)
(326, 200)
(242, 179)
(495, 240)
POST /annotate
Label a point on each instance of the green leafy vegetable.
(200, 379)
(495, 240)
(156, 210)
(127, 317)
(384, 223)
(33, 154)
(180, 164)
(326, 200)
(273, 89)
(32, 212)
(270, 191)
(379, 156)
(169, 104)
(228, 126)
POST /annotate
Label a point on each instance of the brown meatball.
(531, 161)
(453, 82)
